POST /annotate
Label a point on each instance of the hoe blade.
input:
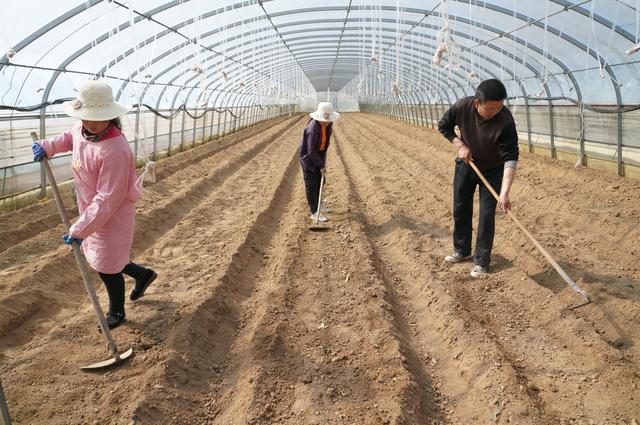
(113, 361)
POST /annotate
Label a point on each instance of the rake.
(544, 252)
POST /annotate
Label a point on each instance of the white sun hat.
(325, 113)
(95, 103)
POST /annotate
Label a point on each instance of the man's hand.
(507, 180)
(464, 153)
(505, 203)
(323, 171)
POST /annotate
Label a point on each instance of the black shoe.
(142, 285)
(114, 320)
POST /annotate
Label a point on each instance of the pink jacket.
(105, 182)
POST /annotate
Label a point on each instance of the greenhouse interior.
(295, 182)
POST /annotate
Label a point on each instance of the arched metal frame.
(306, 66)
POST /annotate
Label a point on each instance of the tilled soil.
(255, 319)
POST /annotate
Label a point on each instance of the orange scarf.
(323, 145)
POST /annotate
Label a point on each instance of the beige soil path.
(257, 320)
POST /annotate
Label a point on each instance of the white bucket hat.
(95, 103)
(325, 113)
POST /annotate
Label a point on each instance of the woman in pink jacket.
(104, 172)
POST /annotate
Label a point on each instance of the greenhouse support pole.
(227, 113)
(250, 111)
(204, 124)
(407, 109)
(582, 129)
(620, 166)
(43, 174)
(247, 112)
(155, 132)
(254, 112)
(412, 112)
(242, 110)
(213, 105)
(184, 113)
(224, 112)
(435, 113)
(136, 134)
(417, 108)
(252, 117)
(421, 109)
(213, 113)
(4, 410)
(229, 103)
(528, 117)
(619, 105)
(551, 131)
(170, 130)
(430, 113)
(236, 108)
(195, 125)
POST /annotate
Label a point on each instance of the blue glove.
(69, 240)
(38, 152)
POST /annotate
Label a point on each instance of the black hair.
(491, 90)
(116, 121)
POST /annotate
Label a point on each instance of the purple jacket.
(310, 156)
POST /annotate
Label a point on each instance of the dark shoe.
(142, 285)
(114, 320)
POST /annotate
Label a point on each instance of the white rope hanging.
(446, 43)
(395, 85)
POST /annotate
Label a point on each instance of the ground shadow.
(617, 285)
(401, 221)
(500, 263)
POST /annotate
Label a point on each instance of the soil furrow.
(59, 278)
(379, 204)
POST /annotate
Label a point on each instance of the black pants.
(312, 180)
(115, 285)
(464, 186)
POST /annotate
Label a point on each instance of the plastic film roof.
(203, 52)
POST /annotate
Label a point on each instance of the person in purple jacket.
(313, 153)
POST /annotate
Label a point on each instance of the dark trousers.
(465, 181)
(312, 180)
(115, 285)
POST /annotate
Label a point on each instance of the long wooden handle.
(544, 252)
(317, 217)
(82, 262)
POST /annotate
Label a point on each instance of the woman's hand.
(38, 152)
(69, 240)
